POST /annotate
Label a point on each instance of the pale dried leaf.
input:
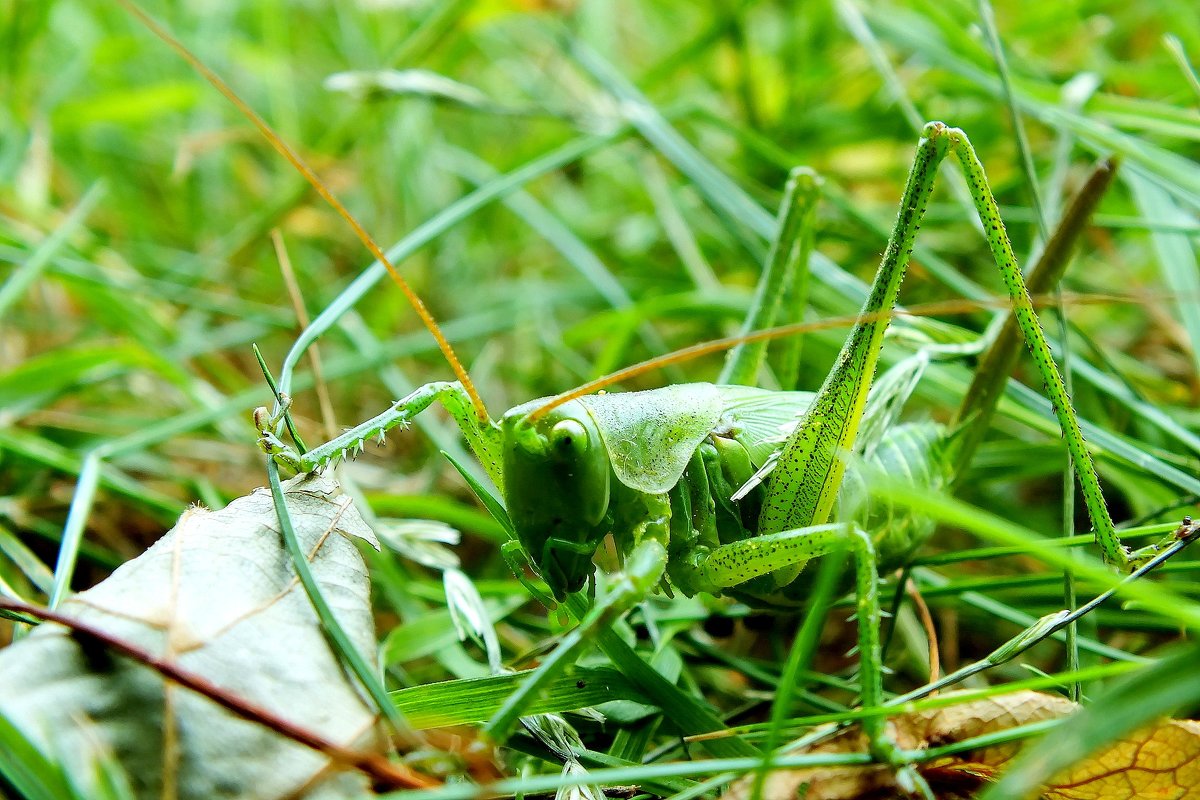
(217, 595)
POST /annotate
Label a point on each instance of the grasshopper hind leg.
(735, 563)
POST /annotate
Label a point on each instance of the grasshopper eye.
(569, 436)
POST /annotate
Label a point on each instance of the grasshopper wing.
(760, 419)
(651, 435)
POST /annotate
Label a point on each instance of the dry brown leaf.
(1157, 762)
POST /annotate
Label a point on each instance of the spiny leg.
(735, 563)
(795, 297)
(805, 483)
(1114, 552)
(1003, 340)
(483, 438)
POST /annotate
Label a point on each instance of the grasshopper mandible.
(678, 475)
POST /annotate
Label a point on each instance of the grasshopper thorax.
(557, 480)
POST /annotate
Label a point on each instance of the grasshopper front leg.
(484, 438)
(518, 560)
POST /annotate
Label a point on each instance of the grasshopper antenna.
(298, 163)
(936, 308)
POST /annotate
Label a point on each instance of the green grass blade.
(28, 272)
(1176, 257)
(431, 229)
(474, 700)
(345, 648)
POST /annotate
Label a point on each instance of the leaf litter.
(1158, 761)
(218, 596)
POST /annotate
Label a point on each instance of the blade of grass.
(1176, 258)
(426, 232)
(24, 275)
(471, 700)
(345, 649)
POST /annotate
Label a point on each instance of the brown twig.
(384, 773)
(328, 418)
(914, 593)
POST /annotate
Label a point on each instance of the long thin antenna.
(296, 161)
(940, 307)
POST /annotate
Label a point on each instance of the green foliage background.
(136, 207)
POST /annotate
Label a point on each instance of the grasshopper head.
(556, 479)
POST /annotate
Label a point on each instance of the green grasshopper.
(695, 482)
(660, 470)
